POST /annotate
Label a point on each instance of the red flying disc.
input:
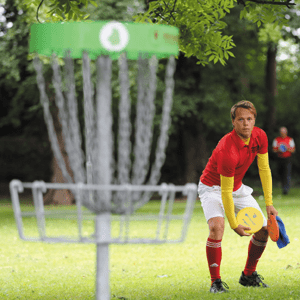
(273, 228)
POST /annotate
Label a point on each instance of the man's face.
(283, 132)
(243, 123)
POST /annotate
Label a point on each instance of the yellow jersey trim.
(226, 192)
(265, 177)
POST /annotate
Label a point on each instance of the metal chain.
(48, 119)
(76, 154)
(144, 119)
(124, 144)
(160, 154)
(61, 105)
(98, 127)
(89, 111)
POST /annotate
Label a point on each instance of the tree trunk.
(270, 118)
(188, 77)
(195, 151)
(59, 197)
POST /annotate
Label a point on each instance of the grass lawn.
(34, 270)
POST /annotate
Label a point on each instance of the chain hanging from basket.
(97, 165)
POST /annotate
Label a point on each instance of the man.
(221, 192)
(284, 146)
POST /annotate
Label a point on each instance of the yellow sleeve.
(226, 190)
(265, 177)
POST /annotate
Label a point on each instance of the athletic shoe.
(253, 280)
(217, 287)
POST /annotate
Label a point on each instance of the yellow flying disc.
(250, 217)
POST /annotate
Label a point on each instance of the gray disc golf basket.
(111, 184)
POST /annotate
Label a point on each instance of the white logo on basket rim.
(114, 36)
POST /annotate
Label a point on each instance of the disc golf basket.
(111, 184)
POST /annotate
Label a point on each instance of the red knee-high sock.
(214, 256)
(255, 250)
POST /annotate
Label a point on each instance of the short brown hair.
(243, 104)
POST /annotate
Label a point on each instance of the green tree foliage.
(116, 10)
(203, 94)
(202, 24)
(70, 10)
(24, 141)
(21, 114)
(17, 79)
(288, 87)
(60, 10)
(19, 95)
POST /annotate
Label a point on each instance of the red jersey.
(284, 144)
(232, 157)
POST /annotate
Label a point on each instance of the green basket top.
(104, 38)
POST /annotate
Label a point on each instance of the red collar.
(238, 141)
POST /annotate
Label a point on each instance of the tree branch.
(37, 11)
(171, 11)
(174, 6)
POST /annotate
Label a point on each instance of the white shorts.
(211, 200)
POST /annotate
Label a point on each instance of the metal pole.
(102, 228)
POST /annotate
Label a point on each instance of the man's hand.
(291, 149)
(271, 211)
(240, 230)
